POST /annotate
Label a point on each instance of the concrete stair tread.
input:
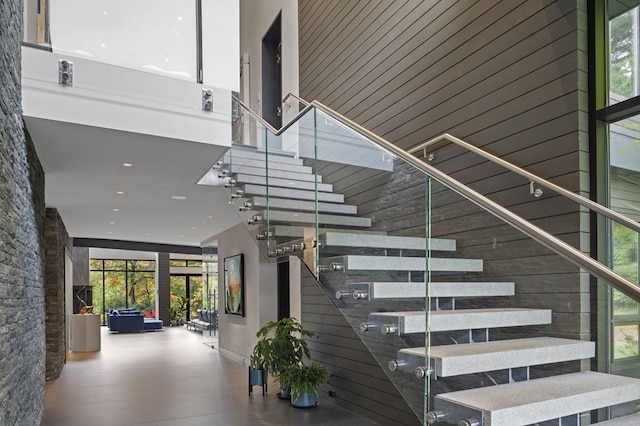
(309, 231)
(278, 174)
(537, 400)
(252, 152)
(289, 218)
(230, 163)
(629, 420)
(401, 290)
(399, 263)
(385, 242)
(243, 178)
(462, 319)
(453, 360)
(301, 205)
(292, 193)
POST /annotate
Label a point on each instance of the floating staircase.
(453, 344)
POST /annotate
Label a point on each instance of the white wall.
(256, 16)
(295, 288)
(237, 335)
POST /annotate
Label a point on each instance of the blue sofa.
(124, 320)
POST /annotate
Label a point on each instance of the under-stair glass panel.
(475, 317)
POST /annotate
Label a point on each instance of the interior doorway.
(283, 290)
(272, 74)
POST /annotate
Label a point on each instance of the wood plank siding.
(506, 76)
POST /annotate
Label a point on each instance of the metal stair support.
(629, 420)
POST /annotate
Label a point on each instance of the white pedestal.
(85, 333)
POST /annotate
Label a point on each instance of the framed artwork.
(234, 285)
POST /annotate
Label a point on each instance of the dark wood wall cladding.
(507, 76)
(357, 382)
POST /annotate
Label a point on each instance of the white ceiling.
(84, 170)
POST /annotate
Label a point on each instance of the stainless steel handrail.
(298, 98)
(262, 121)
(533, 178)
(553, 243)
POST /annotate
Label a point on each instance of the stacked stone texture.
(22, 329)
(56, 239)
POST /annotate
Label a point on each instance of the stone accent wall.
(22, 343)
(56, 239)
(81, 266)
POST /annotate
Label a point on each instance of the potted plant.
(286, 347)
(304, 381)
(177, 309)
(258, 365)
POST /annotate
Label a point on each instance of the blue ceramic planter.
(257, 377)
(304, 400)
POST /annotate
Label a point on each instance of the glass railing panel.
(292, 178)
(152, 36)
(374, 262)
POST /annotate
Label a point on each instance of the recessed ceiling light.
(178, 197)
(116, 210)
(112, 223)
(120, 192)
(210, 217)
(127, 164)
(194, 227)
(109, 232)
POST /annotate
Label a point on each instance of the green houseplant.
(282, 344)
(258, 364)
(304, 381)
(177, 309)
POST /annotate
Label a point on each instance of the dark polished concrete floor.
(170, 378)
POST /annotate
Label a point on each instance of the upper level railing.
(546, 239)
(165, 37)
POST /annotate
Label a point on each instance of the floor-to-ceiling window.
(187, 289)
(616, 66)
(123, 284)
